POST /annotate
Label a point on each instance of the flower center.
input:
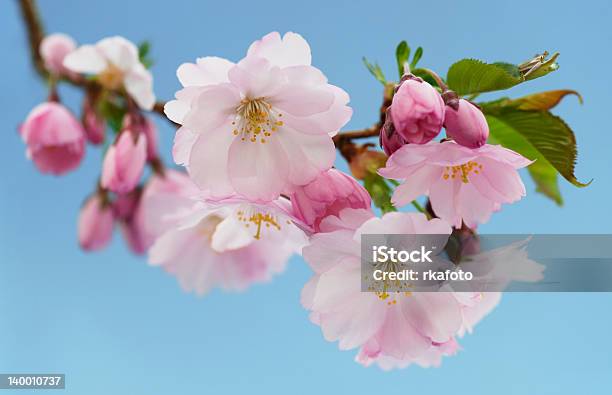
(258, 220)
(111, 77)
(463, 171)
(256, 120)
(382, 289)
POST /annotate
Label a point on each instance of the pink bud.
(124, 162)
(467, 125)
(389, 139)
(331, 192)
(418, 111)
(53, 49)
(126, 210)
(133, 236)
(95, 226)
(142, 124)
(55, 139)
(125, 205)
(94, 124)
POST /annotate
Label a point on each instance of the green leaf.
(144, 48)
(417, 56)
(470, 76)
(376, 71)
(402, 53)
(380, 191)
(425, 76)
(541, 171)
(538, 135)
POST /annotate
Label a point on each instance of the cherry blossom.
(259, 127)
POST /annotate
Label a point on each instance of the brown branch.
(36, 33)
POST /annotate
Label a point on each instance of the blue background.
(115, 325)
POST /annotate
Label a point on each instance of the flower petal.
(85, 59)
(139, 84)
(212, 108)
(208, 70)
(258, 171)
(208, 161)
(310, 154)
(417, 184)
(119, 51)
(291, 50)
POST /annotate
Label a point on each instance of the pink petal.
(212, 108)
(183, 143)
(209, 70)
(119, 51)
(258, 171)
(208, 161)
(85, 59)
(310, 154)
(139, 84)
(291, 50)
(417, 184)
(443, 197)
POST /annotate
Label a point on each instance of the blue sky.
(115, 325)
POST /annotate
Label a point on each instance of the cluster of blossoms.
(256, 140)
(465, 179)
(56, 140)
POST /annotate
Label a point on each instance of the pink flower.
(467, 125)
(114, 61)
(259, 127)
(330, 193)
(94, 123)
(124, 162)
(165, 201)
(393, 329)
(463, 184)
(95, 227)
(230, 245)
(53, 49)
(418, 111)
(55, 139)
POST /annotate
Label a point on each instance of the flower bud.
(125, 205)
(466, 125)
(54, 137)
(95, 125)
(331, 192)
(126, 209)
(389, 139)
(133, 236)
(53, 49)
(95, 226)
(142, 124)
(124, 162)
(418, 111)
